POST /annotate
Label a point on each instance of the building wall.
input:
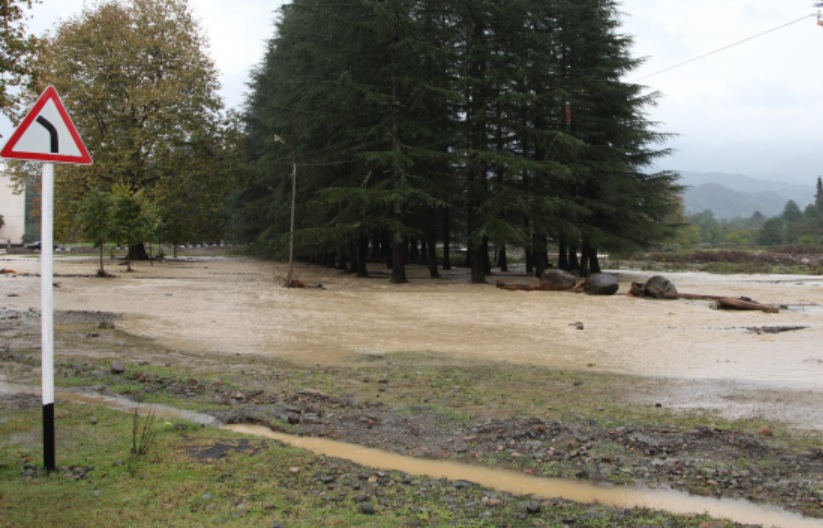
(13, 210)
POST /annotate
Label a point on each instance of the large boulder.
(601, 284)
(557, 280)
(659, 287)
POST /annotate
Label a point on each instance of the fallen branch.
(774, 329)
(665, 290)
(517, 286)
(731, 303)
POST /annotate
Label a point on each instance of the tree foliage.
(420, 120)
(17, 50)
(96, 213)
(142, 92)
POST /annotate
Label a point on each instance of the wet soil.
(203, 315)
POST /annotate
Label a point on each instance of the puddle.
(499, 479)
(520, 484)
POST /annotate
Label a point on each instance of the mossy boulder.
(557, 280)
(659, 287)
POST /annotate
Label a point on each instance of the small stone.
(533, 507)
(117, 368)
(491, 501)
(765, 431)
(93, 420)
(367, 508)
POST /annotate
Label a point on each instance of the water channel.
(494, 478)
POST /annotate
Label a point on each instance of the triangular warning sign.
(47, 134)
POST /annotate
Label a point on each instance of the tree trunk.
(562, 255)
(541, 259)
(431, 250)
(487, 265)
(475, 254)
(447, 265)
(573, 262)
(138, 252)
(398, 270)
(585, 251)
(502, 260)
(430, 245)
(362, 255)
(594, 263)
(102, 272)
(386, 249)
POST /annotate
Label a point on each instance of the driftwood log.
(520, 286)
(721, 302)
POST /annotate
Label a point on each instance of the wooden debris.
(742, 303)
(774, 329)
(517, 286)
(721, 302)
(578, 286)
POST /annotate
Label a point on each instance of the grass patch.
(195, 476)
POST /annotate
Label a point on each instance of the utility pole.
(278, 139)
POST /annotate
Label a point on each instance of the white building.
(13, 211)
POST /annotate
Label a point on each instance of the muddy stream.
(493, 478)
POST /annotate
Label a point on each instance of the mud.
(230, 313)
(205, 308)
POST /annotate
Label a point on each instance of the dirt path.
(700, 357)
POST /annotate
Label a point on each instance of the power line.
(724, 48)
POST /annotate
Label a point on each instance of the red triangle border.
(50, 94)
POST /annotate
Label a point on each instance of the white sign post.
(47, 134)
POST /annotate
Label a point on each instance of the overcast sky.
(755, 108)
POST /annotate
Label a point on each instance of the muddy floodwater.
(722, 360)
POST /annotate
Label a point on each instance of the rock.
(117, 368)
(462, 484)
(491, 502)
(601, 284)
(367, 508)
(557, 280)
(533, 507)
(659, 287)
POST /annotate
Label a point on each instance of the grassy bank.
(194, 476)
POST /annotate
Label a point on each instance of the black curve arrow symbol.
(55, 140)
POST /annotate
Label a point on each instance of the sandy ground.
(701, 357)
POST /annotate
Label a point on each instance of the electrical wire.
(724, 48)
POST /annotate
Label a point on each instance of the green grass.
(193, 477)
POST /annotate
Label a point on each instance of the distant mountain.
(733, 195)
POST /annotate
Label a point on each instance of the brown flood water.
(494, 478)
(702, 358)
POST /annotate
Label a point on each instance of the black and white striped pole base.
(47, 314)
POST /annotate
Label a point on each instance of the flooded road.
(235, 306)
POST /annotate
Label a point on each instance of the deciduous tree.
(17, 50)
(140, 88)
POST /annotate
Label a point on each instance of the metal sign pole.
(47, 313)
(47, 135)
